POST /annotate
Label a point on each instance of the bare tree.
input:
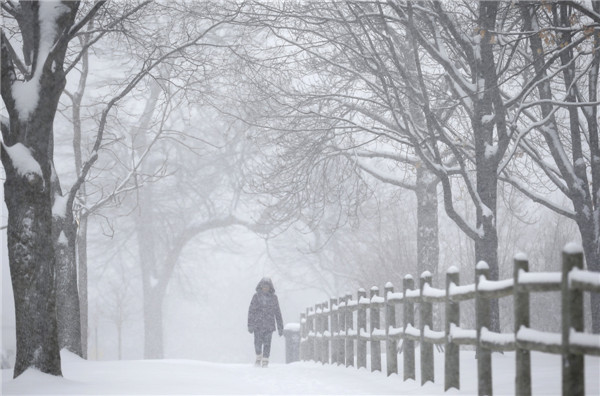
(559, 107)
(31, 87)
(435, 86)
(27, 157)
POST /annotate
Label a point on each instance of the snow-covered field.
(197, 377)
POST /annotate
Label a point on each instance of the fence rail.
(328, 334)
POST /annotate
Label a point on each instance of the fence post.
(342, 338)
(451, 357)
(310, 347)
(361, 324)
(375, 325)
(408, 317)
(291, 333)
(521, 301)
(349, 338)
(484, 356)
(335, 328)
(326, 332)
(303, 334)
(318, 339)
(572, 319)
(391, 345)
(408, 346)
(426, 321)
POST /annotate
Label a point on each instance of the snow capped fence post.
(303, 336)
(391, 345)
(291, 332)
(451, 357)
(335, 330)
(318, 338)
(332, 318)
(484, 356)
(573, 343)
(326, 334)
(310, 344)
(408, 316)
(349, 336)
(361, 324)
(342, 335)
(521, 303)
(375, 325)
(572, 320)
(426, 324)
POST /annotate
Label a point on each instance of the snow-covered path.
(196, 377)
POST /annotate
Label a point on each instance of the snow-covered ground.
(197, 377)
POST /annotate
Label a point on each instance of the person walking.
(264, 316)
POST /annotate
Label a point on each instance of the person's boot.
(258, 360)
(265, 362)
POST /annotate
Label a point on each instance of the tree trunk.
(151, 272)
(428, 250)
(81, 238)
(153, 325)
(119, 339)
(32, 269)
(28, 197)
(486, 152)
(31, 104)
(153, 342)
(67, 296)
(585, 202)
(64, 234)
(147, 243)
(83, 287)
(428, 247)
(591, 248)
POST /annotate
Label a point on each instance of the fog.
(206, 309)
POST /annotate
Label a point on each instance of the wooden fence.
(328, 332)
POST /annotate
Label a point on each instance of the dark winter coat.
(264, 312)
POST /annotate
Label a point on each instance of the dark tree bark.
(31, 104)
(486, 160)
(82, 283)
(486, 111)
(64, 234)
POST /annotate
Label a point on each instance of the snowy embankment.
(196, 377)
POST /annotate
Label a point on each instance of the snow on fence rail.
(327, 333)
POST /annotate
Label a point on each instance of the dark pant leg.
(258, 342)
(267, 335)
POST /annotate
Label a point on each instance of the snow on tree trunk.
(64, 233)
(31, 260)
(31, 101)
(488, 113)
